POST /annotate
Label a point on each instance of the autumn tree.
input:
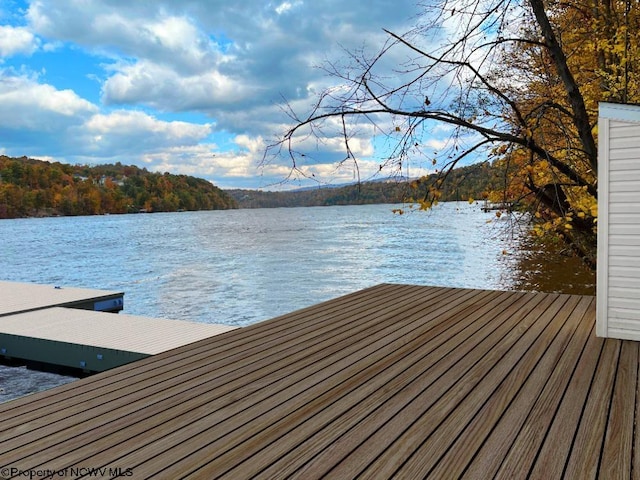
(515, 81)
(30, 187)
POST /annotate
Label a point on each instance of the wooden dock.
(488, 206)
(392, 381)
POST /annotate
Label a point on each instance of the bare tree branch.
(462, 82)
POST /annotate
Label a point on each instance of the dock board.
(392, 381)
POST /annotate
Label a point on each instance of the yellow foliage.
(425, 204)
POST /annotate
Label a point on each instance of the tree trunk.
(580, 116)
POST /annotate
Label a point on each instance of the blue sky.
(182, 86)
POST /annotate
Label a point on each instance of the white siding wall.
(619, 222)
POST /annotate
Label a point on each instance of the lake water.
(238, 267)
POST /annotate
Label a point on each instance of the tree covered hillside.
(31, 187)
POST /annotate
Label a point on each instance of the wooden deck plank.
(232, 342)
(433, 372)
(394, 380)
(164, 395)
(382, 346)
(552, 458)
(374, 389)
(390, 446)
(250, 383)
(340, 435)
(525, 447)
(496, 392)
(421, 424)
(488, 438)
(584, 460)
(257, 343)
(618, 443)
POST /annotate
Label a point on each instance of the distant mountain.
(394, 179)
(462, 183)
(363, 193)
(30, 187)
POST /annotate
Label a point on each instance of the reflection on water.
(552, 268)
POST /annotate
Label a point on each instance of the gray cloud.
(215, 54)
(233, 63)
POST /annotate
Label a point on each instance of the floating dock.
(93, 341)
(18, 297)
(75, 330)
(489, 206)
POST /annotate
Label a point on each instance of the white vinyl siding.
(619, 222)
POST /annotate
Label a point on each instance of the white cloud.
(166, 89)
(223, 168)
(254, 145)
(16, 40)
(127, 122)
(176, 34)
(437, 144)
(26, 104)
(136, 133)
(286, 6)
